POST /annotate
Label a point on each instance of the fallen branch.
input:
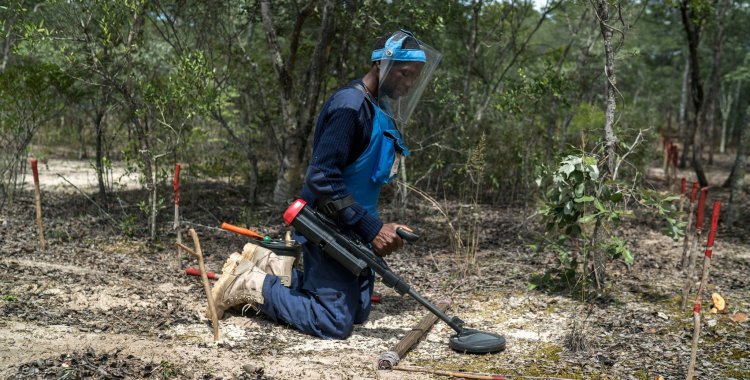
(390, 358)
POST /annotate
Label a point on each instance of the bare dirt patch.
(100, 304)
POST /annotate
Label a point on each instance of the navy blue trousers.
(326, 300)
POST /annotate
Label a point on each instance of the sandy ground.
(64, 175)
(94, 288)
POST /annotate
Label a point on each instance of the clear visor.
(406, 67)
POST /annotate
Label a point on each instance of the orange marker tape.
(241, 231)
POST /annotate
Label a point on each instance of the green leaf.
(577, 176)
(567, 169)
(573, 230)
(568, 208)
(593, 172)
(616, 197)
(587, 218)
(580, 189)
(627, 256)
(586, 198)
(599, 206)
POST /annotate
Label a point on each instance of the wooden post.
(690, 273)
(694, 345)
(675, 153)
(198, 254)
(683, 183)
(665, 144)
(704, 280)
(390, 359)
(38, 201)
(688, 226)
(176, 225)
(672, 167)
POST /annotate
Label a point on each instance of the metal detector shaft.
(354, 255)
(394, 281)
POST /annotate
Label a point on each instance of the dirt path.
(102, 302)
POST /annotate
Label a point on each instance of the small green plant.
(581, 209)
(128, 225)
(168, 370)
(578, 204)
(9, 297)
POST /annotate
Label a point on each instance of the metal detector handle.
(407, 234)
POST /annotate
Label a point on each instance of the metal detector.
(356, 257)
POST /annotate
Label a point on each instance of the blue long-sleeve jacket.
(342, 134)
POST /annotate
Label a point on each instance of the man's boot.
(270, 262)
(241, 283)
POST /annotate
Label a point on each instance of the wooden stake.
(704, 281)
(38, 201)
(666, 151)
(694, 345)
(683, 196)
(390, 359)
(688, 226)
(674, 165)
(198, 254)
(176, 225)
(690, 273)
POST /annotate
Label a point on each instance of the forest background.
(540, 144)
(232, 88)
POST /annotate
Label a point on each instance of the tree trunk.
(736, 194)
(8, 40)
(610, 139)
(473, 48)
(697, 119)
(297, 113)
(99, 129)
(727, 98)
(714, 86)
(684, 115)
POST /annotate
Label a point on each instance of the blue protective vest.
(364, 177)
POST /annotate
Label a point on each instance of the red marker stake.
(665, 154)
(704, 280)
(683, 195)
(690, 276)
(673, 157)
(197, 273)
(176, 225)
(38, 200)
(688, 226)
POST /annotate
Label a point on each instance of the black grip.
(406, 235)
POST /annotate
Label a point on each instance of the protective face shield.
(406, 67)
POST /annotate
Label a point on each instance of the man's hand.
(387, 240)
